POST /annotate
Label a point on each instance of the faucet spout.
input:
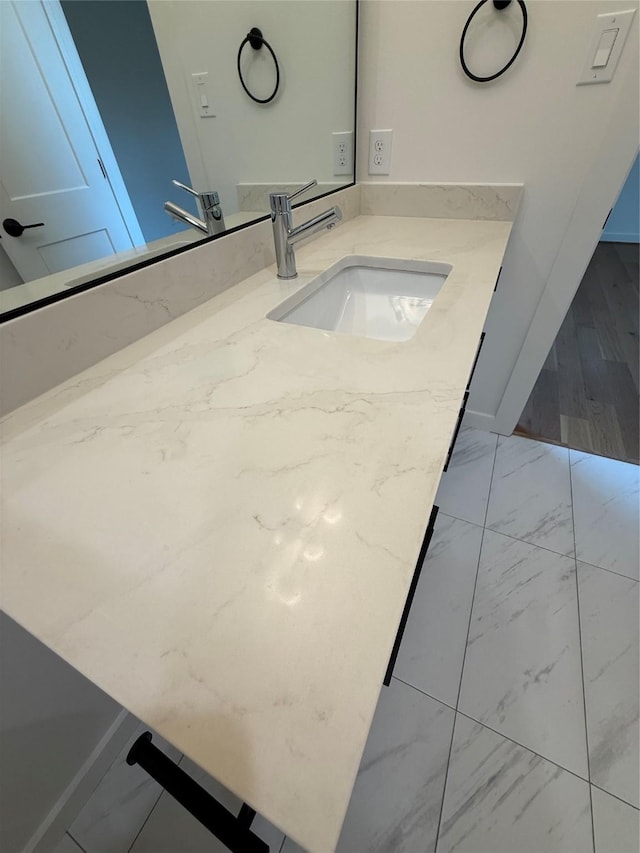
(326, 219)
(285, 236)
(184, 216)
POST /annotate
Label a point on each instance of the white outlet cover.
(342, 148)
(380, 151)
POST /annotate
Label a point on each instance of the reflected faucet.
(285, 236)
(213, 221)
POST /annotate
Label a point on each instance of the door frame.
(597, 197)
(80, 83)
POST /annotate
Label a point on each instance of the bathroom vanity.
(219, 524)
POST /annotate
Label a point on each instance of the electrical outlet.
(342, 153)
(380, 152)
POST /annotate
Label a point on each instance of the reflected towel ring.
(256, 40)
(499, 5)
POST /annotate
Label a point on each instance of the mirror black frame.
(147, 262)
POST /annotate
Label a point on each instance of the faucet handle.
(185, 188)
(280, 203)
(312, 183)
(207, 199)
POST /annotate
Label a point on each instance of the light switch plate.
(616, 20)
(203, 101)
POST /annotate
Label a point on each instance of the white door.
(50, 170)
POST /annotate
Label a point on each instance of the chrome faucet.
(285, 236)
(213, 220)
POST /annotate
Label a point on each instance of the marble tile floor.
(511, 722)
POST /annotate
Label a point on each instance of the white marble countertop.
(219, 524)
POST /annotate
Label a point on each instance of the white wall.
(533, 126)
(51, 719)
(288, 140)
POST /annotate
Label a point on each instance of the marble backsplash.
(255, 197)
(441, 201)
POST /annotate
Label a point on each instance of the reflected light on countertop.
(291, 600)
(313, 553)
(294, 552)
(332, 516)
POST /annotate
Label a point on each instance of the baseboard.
(479, 420)
(487, 423)
(61, 816)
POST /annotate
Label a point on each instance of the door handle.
(15, 228)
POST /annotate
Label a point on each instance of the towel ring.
(256, 40)
(499, 5)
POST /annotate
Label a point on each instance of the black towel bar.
(232, 831)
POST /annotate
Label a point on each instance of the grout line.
(77, 843)
(611, 571)
(457, 518)
(464, 656)
(475, 584)
(528, 748)
(444, 786)
(517, 743)
(526, 541)
(424, 692)
(146, 820)
(584, 690)
(533, 544)
(616, 797)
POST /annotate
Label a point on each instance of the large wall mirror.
(105, 103)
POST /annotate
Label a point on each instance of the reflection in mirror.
(133, 103)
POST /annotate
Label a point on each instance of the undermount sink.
(378, 298)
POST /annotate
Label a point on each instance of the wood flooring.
(586, 396)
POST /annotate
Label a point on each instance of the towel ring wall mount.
(499, 5)
(255, 38)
